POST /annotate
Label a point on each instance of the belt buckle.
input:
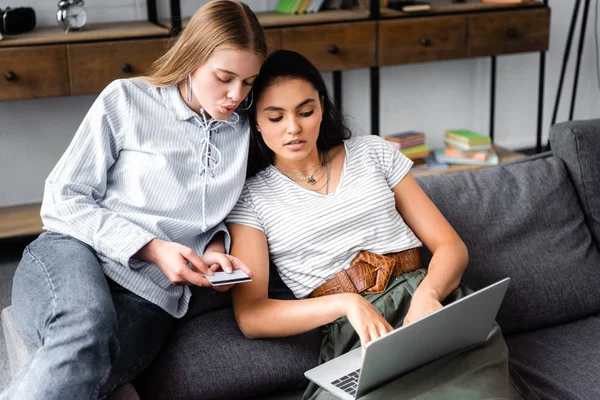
(384, 273)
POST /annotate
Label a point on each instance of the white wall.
(430, 97)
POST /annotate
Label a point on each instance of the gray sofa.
(536, 220)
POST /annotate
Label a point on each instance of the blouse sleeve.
(79, 181)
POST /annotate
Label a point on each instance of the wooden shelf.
(504, 155)
(91, 33)
(271, 19)
(20, 221)
(446, 7)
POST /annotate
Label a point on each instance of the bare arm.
(450, 255)
(259, 317)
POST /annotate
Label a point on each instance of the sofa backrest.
(577, 144)
(524, 220)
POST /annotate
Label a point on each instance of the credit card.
(223, 278)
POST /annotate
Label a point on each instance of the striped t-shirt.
(312, 236)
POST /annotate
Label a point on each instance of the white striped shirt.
(313, 236)
(143, 165)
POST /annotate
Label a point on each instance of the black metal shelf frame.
(175, 9)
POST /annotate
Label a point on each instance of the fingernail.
(228, 270)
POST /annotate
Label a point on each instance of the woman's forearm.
(445, 269)
(217, 244)
(277, 318)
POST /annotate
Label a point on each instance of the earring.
(189, 89)
(251, 95)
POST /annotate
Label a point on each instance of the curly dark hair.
(284, 64)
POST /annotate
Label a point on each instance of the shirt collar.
(175, 104)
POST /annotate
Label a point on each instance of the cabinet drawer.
(28, 73)
(273, 37)
(92, 66)
(508, 32)
(334, 47)
(422, 39)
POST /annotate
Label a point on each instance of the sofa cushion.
(577, 143)
(208, 357)
(523, 220)
(561, 362)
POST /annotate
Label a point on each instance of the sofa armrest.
(577, 144)
(18, 349)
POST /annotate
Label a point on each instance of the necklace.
(326, 184)
(310, 179)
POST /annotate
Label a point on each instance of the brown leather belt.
(370, 273)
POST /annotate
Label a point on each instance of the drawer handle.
(10, 76)
(425, 42)
(333, 49)
(511, 33)
(126, 68)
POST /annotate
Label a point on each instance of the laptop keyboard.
(348, 383)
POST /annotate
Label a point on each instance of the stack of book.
(314, 6)
(428, 164)
(411, 144)
(467, 147)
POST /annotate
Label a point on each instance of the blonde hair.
(219, 24)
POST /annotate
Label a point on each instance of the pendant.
(311, 181)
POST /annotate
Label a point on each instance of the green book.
(285, 6)
(467, 137)
(415, 150)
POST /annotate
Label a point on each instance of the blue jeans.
(93, 335)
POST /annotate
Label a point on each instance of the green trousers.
(479, 372)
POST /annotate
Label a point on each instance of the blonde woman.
(134, 210)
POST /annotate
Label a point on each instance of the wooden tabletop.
(91, 33)
(447, 6)
(20, 221)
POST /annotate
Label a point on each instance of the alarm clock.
(71, 15)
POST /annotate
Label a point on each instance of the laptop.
(471, 318)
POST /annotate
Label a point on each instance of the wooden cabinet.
(92, 66)
(46, 62)
(29, 73)
(273, 37)
(508, 32)
(334, 47)
(424, 39)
